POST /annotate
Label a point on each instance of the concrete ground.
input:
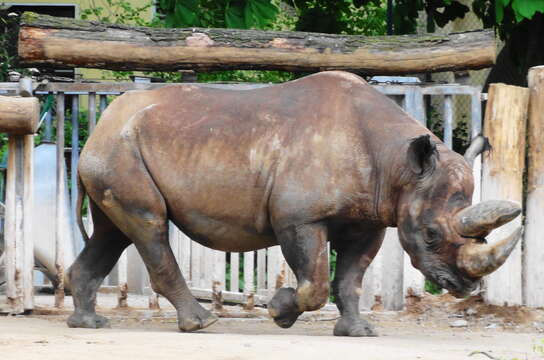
(439, 328)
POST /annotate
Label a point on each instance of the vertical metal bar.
(475, 130)
(448, 121)
(103, 103)
(92, 112)
(59, 251)
(476, 109)
(28, 202)
(73, 175)
(48, 135)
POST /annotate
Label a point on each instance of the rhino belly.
(220, 234)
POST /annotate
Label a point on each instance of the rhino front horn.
(478, 259)
(478, 220)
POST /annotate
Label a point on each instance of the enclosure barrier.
(19, 118)
(250, 276)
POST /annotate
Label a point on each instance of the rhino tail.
(80, 195)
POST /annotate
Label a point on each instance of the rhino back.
(236, 164)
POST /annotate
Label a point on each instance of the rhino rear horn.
(477, 146)
(478, 220)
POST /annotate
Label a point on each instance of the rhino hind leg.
(305, 250)
(355, 252)
(134, 203)
(96, 260)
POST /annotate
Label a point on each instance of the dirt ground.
(435, 327)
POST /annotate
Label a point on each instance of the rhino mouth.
(458, 286)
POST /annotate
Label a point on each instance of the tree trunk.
(46, 41)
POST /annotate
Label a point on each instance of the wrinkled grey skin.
(325, 158)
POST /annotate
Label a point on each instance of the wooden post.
(393, 271)
(59, 241)
(261, 272)
(504, 125)
(249, 272)
(122, 296)
(534, 235)
(14, 228)
(234, 272)
(28, 201)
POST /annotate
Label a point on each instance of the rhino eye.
(433, 237)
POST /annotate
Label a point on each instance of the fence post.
(59, 239)
(533, 238)
(504, 125)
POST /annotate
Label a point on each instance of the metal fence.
(239, 276)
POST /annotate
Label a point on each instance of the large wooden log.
(19, 115)
(61, 42)
(503, 166)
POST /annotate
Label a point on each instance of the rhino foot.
(354, 327)
(283, 308)
(195, 318)
(87, 320)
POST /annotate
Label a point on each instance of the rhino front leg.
(355, 252)
(305, 249)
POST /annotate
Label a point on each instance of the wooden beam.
(504, 125)
(61, 42)
(19, 115)
(534, 217)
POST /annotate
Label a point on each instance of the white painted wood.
(273, 268)
(249, 271)
(393, 271)
(136, 271)
(533, 269)
(219, 268)
(503, 168)
(185, 255)
(234, 272)
(59, 238)
(122, 287)
(372, 283)
(261, 272)
(196, 260)
(12, 254)
(413, 279)
(28, 235)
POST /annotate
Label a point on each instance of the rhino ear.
(422, 155)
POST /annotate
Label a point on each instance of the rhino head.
(439, 228)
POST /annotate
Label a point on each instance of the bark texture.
(60, 42)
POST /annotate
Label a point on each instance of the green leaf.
(234, 17)
(186, 14)
(499, 11)
(527, 8)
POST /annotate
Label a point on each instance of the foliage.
(236, 14)
(439, 12)
(432, 288)
(116, 12)
(505, 15)
(366, 17)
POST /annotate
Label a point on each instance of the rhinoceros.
(325, 158)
